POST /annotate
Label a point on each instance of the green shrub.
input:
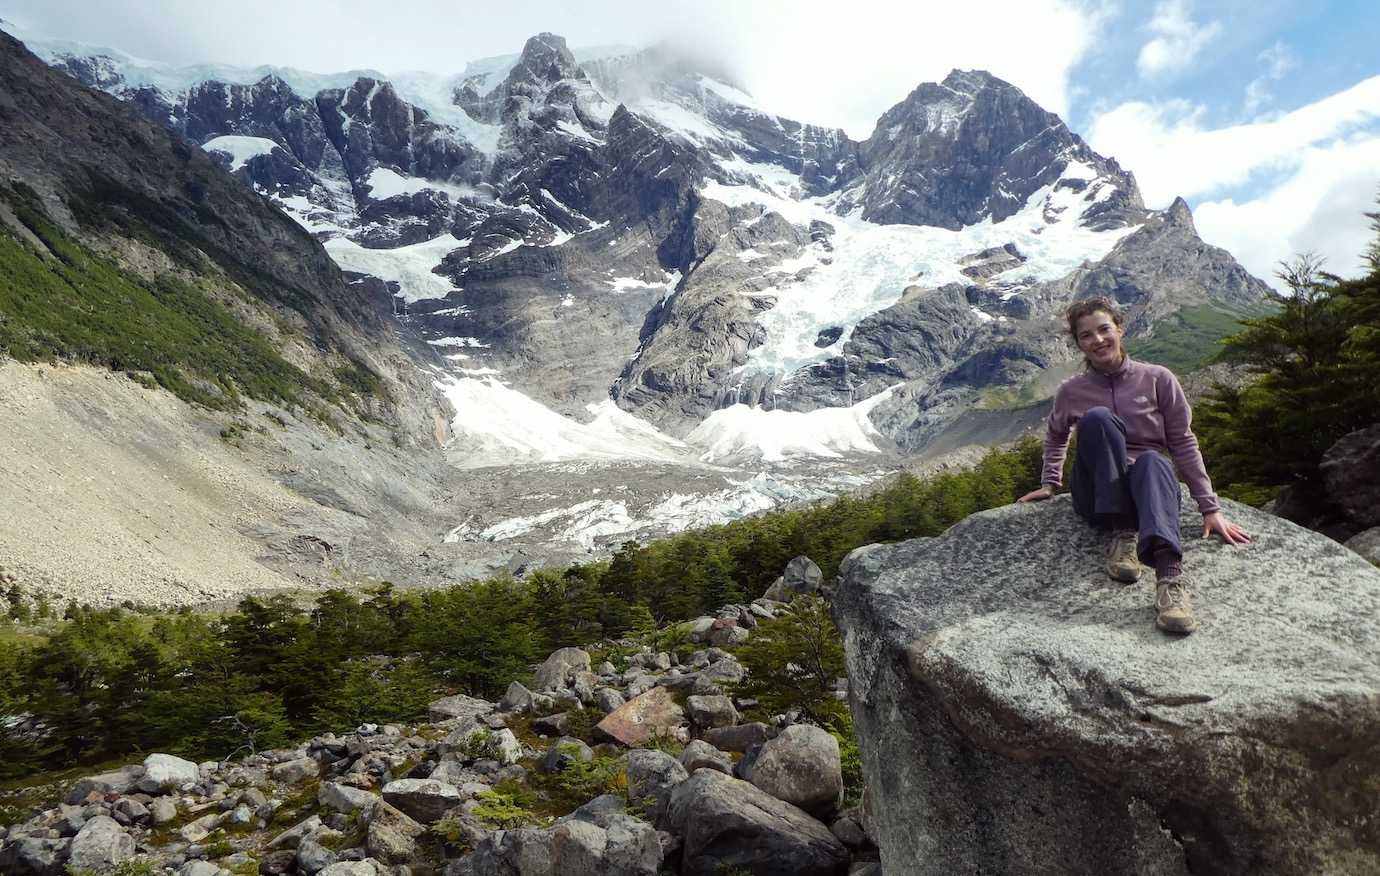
(792, 661)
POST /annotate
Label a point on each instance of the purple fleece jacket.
(1151, 403)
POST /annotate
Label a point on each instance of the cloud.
(1318, 209)
(801, 60)
(1278, 61)
(1172, 152)
(1309, 173)
(1176, 42)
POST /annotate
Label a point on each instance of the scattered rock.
(1367, 544)
(801, 577)
(166, 772)
(726, 632)
(606, 699)
(699, 754)
(551, 725)
(296, 771)
(343, 798)
(33, 856)
(726, 823)
(424, 800)
(1351, 471)
(100, 844)
(653, 714)
(559, 668)
(564, 752)
(801, 766)
(458, 706)
(312, 857)
(162, 810)
(120, 781)
(518, 699)
(708, 712)
(652, 776)
(392, 837)
(739, 737)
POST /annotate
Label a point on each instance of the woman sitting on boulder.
(1129, 415)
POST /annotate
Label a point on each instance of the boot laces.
(1173, 594)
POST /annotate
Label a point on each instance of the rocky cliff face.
(1018, 712)
(973, 147)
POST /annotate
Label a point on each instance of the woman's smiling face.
(1099, 337)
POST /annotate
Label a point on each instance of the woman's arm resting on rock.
(1183, 444)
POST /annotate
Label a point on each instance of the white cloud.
(808, 62)
(1177, 39)
(1319, 209)
(1172, 153)
(1278, 61)
(1315, 169)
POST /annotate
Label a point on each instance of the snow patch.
(240, 149)
(871, 265)
(496, 425)
(773, 436)
(385, 183)
(411, 267)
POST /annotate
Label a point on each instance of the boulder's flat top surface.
(1019, 597)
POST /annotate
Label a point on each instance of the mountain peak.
(547, 59)
(972, 82)
(1179, 213)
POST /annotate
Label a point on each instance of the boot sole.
(1176, 629)
(1124, 577)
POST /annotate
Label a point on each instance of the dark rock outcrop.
(1018, 712)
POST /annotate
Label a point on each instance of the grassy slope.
(1189, 338)
(73, 304)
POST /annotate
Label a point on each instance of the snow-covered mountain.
(624, 258)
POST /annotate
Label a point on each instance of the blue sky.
(1264, 114)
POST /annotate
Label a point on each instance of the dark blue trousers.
(1113, 495)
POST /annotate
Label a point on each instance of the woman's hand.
(1044, 492)
(1217, 522)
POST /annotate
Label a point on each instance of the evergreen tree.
(1316, 362)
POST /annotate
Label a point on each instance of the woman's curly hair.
(1098, 304)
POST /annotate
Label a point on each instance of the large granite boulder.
(1019, 713)
(730, 826)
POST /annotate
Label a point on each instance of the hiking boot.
(1174, 610)
(1122, 564)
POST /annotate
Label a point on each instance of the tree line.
(108, 682)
